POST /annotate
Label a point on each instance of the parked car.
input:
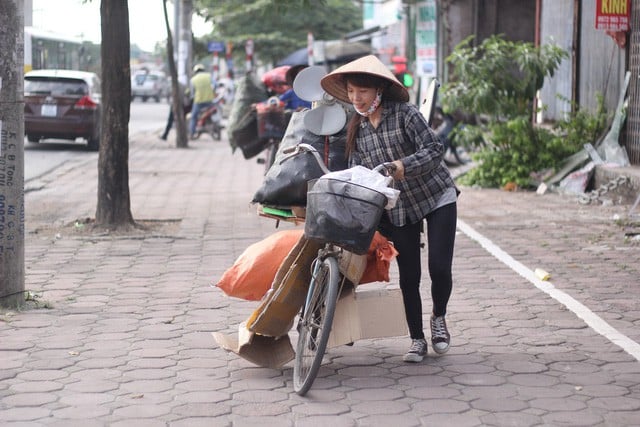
(62, 104)
(149, 84)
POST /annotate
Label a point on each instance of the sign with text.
(215, 46)
(613, 15)
(426, 38)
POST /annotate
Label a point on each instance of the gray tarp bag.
(242, 127)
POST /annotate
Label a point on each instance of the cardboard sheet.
(274, 316)
(268, 352)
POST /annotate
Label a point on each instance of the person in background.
(291, 100)
(226, 87)
(389, 130)
(201, 89)
(186, 104)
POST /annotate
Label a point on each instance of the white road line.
(580, 310)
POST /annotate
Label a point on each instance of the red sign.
(613, 15)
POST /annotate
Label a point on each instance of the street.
(123, 337)
(46, 156)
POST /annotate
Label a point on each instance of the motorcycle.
(444, 126)
(210, 120)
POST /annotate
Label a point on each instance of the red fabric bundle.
(381, 252)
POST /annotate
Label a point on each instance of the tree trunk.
(177, 89)
(11, 153)
(114, 208)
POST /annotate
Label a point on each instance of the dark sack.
(332, 149)
(242, 126)
(286, 182)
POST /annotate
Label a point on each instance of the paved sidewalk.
(123, 335)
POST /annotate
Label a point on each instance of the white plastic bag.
(370, 179)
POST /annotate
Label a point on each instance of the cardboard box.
(352, 266)
(364, 314)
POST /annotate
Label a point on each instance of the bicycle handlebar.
(386, 169)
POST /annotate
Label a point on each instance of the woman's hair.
(364, 80)
(360, 80)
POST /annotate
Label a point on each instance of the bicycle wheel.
(314, 325)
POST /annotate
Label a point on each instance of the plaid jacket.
(403, 134)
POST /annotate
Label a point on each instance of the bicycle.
(272, 124)
(270, 151)
(317, 313)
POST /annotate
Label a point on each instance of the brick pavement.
(125, 338)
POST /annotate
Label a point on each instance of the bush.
(518, 150)
(498, 80)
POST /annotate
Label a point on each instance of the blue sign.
(215, 47)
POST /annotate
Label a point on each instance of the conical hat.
(334, 85)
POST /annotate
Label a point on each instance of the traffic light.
(405, 78)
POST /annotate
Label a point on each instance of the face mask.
(372, 108)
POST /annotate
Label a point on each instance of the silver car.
(149, 84)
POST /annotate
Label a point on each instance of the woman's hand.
(398, 172)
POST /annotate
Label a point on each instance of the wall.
(459, 19)
(632, 143)
(556, 27)
(599, 63)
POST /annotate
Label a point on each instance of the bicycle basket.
(343, 213)
(271, 120)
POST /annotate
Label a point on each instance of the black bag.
(286, 182)
(332, 148)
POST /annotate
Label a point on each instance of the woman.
(388, 129)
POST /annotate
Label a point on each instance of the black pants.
(441, 233)
(169, 125)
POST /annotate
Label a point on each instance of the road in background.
(44, 157)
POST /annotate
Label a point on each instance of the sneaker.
(416, 352)
(440, 337)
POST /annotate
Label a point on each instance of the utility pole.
(182, 20)
(176, 24)
(177, 88)
(184, 41)
(11, 153)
